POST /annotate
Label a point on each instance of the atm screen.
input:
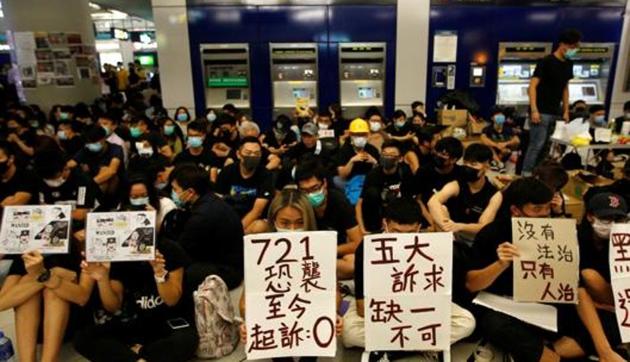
(301, 93)
(233, 94)
(367, 93)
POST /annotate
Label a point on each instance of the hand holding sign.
(33, 263)
(506, 253)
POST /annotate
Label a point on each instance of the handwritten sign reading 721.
(290, 293)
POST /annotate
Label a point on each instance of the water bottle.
(6, 349)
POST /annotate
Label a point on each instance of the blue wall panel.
(260, 25)
(505, 24)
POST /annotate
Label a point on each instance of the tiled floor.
(460, 352)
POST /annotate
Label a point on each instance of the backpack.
(216, 321)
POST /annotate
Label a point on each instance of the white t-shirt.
(166, 205)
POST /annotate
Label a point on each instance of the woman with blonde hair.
(289, 211)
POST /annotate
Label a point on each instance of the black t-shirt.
(339, 215)
(272, 141)
(554, 75)
(94, 161)
(214, 234)
(401, 132)
(467, 207)
(347, 151)
(141, 292)
(340, 126)
(504, 135)
(22, 181)
(241, 193)
(146, 165)
(30, 139)
(78, 190)
(484, 253)
(203, 160)
(592, 256)
(300, 151)
(390, 187)
(428, 181)
(73, 145)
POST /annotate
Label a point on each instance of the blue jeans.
(538, 137)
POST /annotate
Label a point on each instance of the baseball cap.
(310, 128)
(607, 204)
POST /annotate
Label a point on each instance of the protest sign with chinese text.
(619, 255)
(547, 267)
(407, 283)
(120, 236)
(290, 294)
(43, 227)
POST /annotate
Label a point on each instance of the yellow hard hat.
(359, 125)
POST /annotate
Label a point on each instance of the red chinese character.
(547, 292)
(546, 271)
(428, 333)
(261, 340)
(417, 249)
(404, 280)
(387, 252)
(529, 268)
(400, 335)
(434, 278)
(296, 305)
(384, 312)
(290, 337)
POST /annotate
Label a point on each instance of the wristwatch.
(161, 278)
(44, 277)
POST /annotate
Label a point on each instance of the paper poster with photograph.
(41, 40)
(120, 236)
(44, 78)
(75, 50)
(64, 82)
(83, 72)
(46, 68)
(73, 38)
(62, 68)
(56, 38)
(62, 53)
(84, 61)
(89, 50)
(27, 71)
(29, 83)
(44, 55)
(43, 227)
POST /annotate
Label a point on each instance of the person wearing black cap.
(620, 187)
(309, 145)
(601, 335)
(279, 138)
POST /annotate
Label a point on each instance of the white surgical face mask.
(375, 126)
(55, 182)
(601, 229)
(322, 125)
(359, 142)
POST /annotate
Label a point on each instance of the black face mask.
(388, 163)
(470, 174)
(4, 166)
(439, 161)
(250, 163)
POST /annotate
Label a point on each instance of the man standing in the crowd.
(548, 88)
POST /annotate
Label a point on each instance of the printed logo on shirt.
(81, 196)
(151, 302)
(239, 192)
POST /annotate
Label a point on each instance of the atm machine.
(226, 75)
(362, 77)
(591, 71)
(517, 62)
(294, 77)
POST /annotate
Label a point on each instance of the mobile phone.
(177, 323)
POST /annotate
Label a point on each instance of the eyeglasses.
(312, 189)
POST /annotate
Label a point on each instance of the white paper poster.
(120, 236)
(547, 269)
(407, 283)
(537, 314)
(619, 257)
(290, 294)
(445, 47)
(45, 228)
